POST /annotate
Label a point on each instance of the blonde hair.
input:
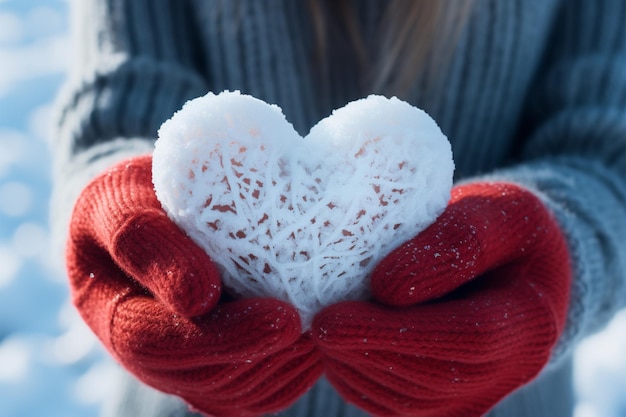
(416, 38)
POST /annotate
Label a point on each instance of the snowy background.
(50, 365)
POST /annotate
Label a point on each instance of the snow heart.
(304, 220)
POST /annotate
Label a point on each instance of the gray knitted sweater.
(535, 93)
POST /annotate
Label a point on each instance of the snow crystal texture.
(304, 220)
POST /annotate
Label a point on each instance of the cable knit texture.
(533, 94)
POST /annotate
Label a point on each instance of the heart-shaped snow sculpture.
(301, 219)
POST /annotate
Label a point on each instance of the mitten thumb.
(118, 219)
(485, 226)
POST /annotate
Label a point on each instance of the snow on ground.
(50, 364)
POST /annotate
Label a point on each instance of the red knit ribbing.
(153, 298)
(467, 311)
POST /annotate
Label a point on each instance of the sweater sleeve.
(573, 155)
(134, 65)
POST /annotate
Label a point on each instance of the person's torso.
(267, 49)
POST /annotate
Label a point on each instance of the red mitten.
(465, 313)
(153, 298)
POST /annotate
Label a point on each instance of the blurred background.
(50, 365)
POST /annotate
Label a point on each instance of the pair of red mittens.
(462, 314)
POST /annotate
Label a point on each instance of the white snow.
(49, 364)
(16, 199)
(11, 28)
(301, 219)
(600, 372)
(15, 358)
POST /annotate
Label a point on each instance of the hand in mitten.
(464, 313)
(153, 298)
